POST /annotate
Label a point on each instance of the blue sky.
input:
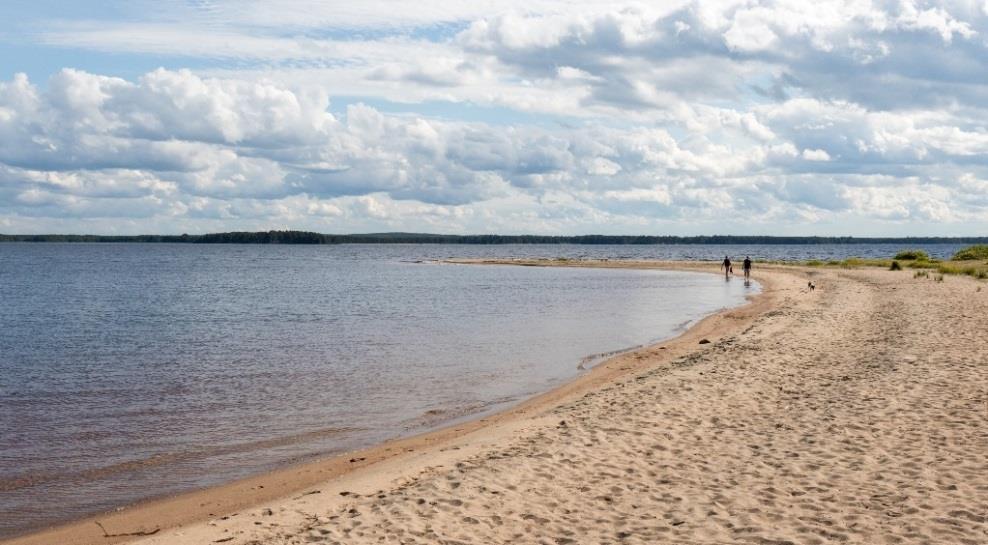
(545, 116)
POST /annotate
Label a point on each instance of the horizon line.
(311, 237)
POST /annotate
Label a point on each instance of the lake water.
(130, 370)
(136, 370)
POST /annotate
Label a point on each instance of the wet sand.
(856, 413)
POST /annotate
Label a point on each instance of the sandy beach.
(853, 413)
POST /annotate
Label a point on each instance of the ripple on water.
(133, 370)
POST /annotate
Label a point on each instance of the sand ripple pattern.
(854, 414)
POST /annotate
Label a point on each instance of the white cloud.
(934, 19)
(623, 115)
(816, 155)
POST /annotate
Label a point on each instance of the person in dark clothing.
(727, 266)
(747, 267)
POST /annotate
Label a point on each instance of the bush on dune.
(978, 251)
(912, 255)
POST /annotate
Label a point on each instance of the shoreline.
(397, 457)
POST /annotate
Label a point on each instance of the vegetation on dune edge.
(912, 255)
(959, 264)
(978, 251)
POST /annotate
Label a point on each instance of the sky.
(861, 118)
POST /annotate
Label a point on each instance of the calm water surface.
(131, 370)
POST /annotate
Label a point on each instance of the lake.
(129, 371)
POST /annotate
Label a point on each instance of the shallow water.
(132, 370)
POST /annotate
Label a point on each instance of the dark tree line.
(305, 237)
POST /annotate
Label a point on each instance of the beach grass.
(972, 261)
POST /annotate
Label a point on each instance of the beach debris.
(309, 493)
(224, 539)
(267, 512)
(704, 341)
(127, 534)
(355, 460)
(562, 423)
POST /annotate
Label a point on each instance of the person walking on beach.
(727, 266)
(747, 267)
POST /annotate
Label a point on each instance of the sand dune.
(856, 413)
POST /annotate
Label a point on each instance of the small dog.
(811, 285)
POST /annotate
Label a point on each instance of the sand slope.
(857, 413)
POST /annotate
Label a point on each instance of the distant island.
(305, 237)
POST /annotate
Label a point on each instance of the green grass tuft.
(974, 271)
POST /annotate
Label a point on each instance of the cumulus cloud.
(816, 155)
(627, 117)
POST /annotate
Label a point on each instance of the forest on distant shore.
(305, 237)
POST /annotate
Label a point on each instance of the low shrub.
(895, 266)
(912, 255)
(978, 251)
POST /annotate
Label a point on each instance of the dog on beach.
(811, 285)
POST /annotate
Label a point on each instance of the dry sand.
(854, 413)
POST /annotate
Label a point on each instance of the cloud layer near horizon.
(773, 117)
